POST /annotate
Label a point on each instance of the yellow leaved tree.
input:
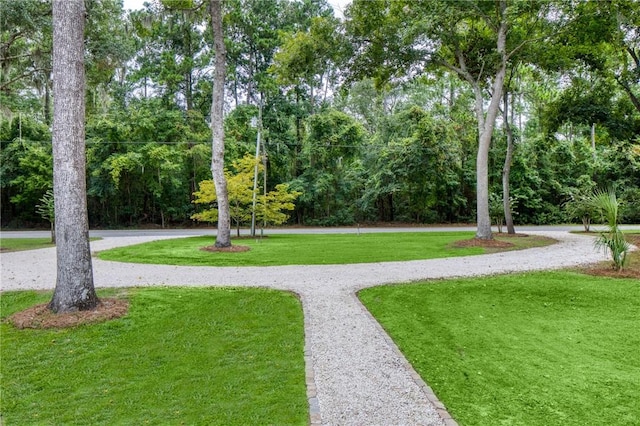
(270, 208)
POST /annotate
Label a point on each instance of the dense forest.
(374, 116)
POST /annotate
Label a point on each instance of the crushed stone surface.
(355, 374)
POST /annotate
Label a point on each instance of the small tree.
(612, 239)
(46, 210)
(581, 207)
(580, 204)
(496, 210)
(269, 208)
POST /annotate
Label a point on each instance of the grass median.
(317, 249)
(19, 244)
(552, 348)
(216, 356)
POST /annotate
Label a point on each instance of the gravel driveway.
(355, 373)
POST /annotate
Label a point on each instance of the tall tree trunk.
(47, 102)
(484, 141)
(188, 75)
(506, 170)
(74, 284)
(593, 142)
(223, 238)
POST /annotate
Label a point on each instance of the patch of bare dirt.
(40, 316)
(230, 249)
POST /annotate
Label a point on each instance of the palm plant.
(612, 239)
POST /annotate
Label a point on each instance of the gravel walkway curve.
(355, 373)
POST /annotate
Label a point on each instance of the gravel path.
(355, 373)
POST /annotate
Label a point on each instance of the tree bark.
(484, 141)
(74, 284)
(593, 141)
(223, 238)
(506, 170)
(47, 102)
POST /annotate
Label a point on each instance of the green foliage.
(496, 210)
(332, 144)
(46, 210)
(25, 34)
(26, 168)
(399, 145)
(612, 240)
(528, 349)
(580, 205)
(306, 56)
(174, 358)
(270, 208)
(417, 169)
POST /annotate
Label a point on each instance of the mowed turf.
(317, 249)
(181, 356)
(554, 348)
(18, 244)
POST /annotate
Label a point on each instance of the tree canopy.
(395, 112)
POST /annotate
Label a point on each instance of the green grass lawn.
(553, 348)
(181, 356)
(320, 249)
(17, 244)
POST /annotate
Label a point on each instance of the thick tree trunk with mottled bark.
(74, 284)
(223, 238)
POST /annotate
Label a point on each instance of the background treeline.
(361, 145)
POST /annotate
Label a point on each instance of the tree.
(223, 237)
(603, 38)
(240, 191)
(332, 144)
(270, 207)
(473, 39)
(74, 285)
(308, 58)
(580, 205)
(25, 57)
(506, 169)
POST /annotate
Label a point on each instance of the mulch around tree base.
(631, 270)
(40, 316)
(610, 271)
(230, 249)
(476, 242)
